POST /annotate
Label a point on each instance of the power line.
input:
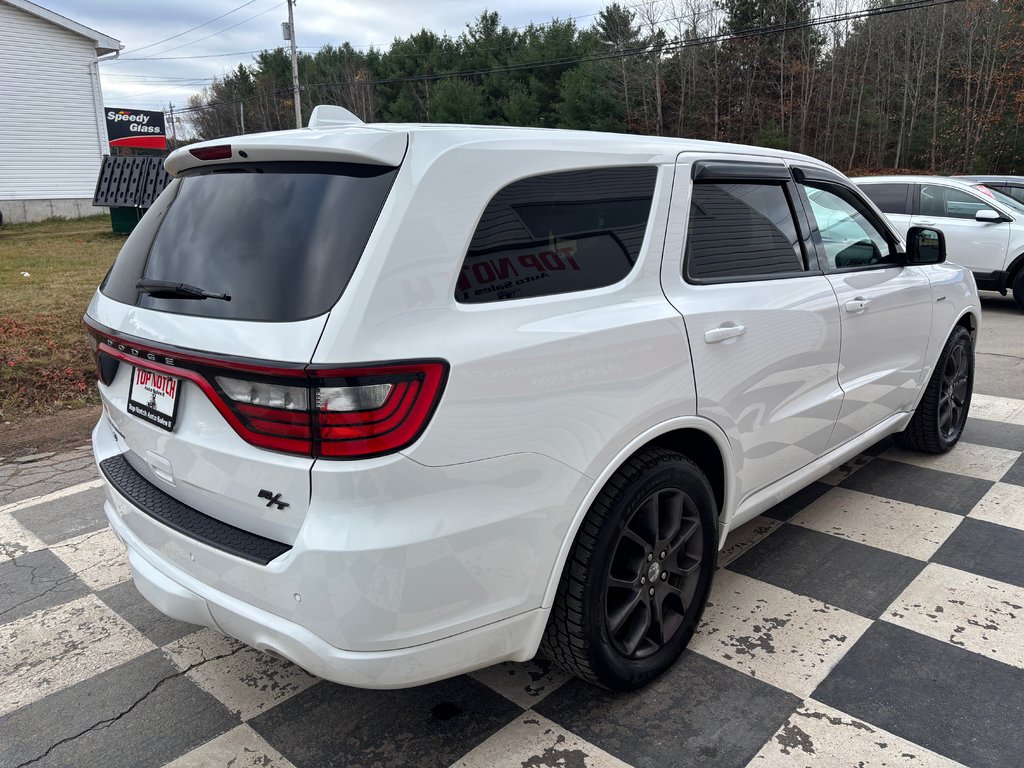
(200, 26)
(668, 48)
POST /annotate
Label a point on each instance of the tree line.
(934, 85)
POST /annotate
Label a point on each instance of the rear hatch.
(207, 321)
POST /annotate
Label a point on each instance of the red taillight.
(340, 413)
(218, 152)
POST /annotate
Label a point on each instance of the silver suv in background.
(984, 227)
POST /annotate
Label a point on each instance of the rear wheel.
(1018, 289)
(939, 419)
(638, 576)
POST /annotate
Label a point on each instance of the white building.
(52, 130)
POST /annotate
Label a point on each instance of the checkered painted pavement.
(875, 618)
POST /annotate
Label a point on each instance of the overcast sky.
(166, 77)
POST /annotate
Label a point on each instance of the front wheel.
(1018, 290)
(638, 575)
(939, 419)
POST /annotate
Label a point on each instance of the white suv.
(984, 227)
(397, 402)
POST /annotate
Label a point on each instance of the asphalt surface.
(875, 618)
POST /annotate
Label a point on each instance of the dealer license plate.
(154, 397)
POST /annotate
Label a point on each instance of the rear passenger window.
(558, 233)
(890, 198)
(741, 230)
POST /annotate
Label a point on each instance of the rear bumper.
(182, 597)
(400, 575)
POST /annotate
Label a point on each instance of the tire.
(939, 419)
(1018, 290)
(605, 625)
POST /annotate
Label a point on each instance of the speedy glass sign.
(136, 128)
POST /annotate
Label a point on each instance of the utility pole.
(174, 135)
(295, 66)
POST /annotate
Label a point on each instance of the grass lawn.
(45, 361)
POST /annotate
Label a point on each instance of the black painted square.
(125, 600)
(843, 573)
(917, 485)
(66, 517)
(1015, 474)
(142, 713)
(957, 703)
(996, 434)
(38, 580)
(433, 725)
(699, 713)
(788, 507)
(986, 549)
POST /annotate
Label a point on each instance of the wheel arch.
(1013, 270)
(701, 440)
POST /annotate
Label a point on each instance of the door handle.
(922, 222)
(723, 332)
(858, 305)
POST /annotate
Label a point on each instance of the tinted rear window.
(557, 233)
(282, 239)
(890, 198)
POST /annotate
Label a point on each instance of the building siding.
(51, 137)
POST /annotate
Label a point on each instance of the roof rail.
(330, 116)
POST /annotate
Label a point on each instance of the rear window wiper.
(165, 289)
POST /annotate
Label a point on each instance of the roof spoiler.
(331, 116)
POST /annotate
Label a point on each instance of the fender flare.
(699, 423)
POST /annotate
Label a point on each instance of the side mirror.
(988, 215)
(925, 246)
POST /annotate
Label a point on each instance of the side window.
(1017, 193)
(938, 200)
(741, 230)
(890, 198)
(558, 233)
(849, 237)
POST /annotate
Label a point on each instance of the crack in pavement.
(107, 722)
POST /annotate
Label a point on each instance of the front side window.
(850, 239)
(558, 233)
(741, 230)
(938, 200)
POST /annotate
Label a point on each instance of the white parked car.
(984, 227)
(397, 402)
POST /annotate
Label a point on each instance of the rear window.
(281, 239)
(890, 198)
(558, 233)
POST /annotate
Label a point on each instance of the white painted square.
(16, 539)
(994, 408)
(54, 648)
(970, 459)
(745, 537)
(525, 684)
(241, 747)
(1003, 504)
(245, 680)
(818, 736)
(532, 740)
(982, 615)
(788, 640)
(98, 558)
(894, 526)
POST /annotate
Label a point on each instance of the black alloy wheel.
(938, 422)
(654, 573)
(638, 576)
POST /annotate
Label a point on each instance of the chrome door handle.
(858, 305)
(723, 332)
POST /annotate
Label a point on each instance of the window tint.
(849, 238)
(890, 198)
(1017, 193)
(557, 233)
(741, 230)
(282, 239)
(938, 200)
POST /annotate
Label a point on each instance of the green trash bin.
(123, 220)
